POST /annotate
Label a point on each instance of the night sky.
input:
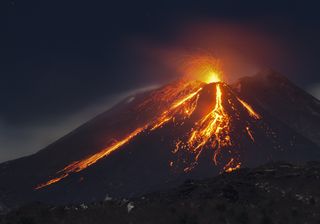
(63, 62)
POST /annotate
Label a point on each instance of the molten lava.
(177, 103)
(212, 129)
(184, 106)
(232, 165)
(252, 113)
(82, 164)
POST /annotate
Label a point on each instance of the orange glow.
(184, 106)
(176, 103)
(52, 181)
(213, 129)
(251, 112)
(82, 164)
(212, 77)
(231, 169)
(204, 68)
(231, 166)
(182, 101)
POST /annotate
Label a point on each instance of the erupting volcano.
(210, 131)
(195, 127)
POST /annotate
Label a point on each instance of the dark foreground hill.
(273, 193)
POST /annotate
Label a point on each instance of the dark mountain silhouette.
(160, 153)
(284, 100)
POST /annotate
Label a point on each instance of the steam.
(241, 50)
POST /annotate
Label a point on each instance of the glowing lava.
(177, 104)
(83, 164)
(212, 77)
(250, 110)
(232, 165)
(181, 107)
(213, 130)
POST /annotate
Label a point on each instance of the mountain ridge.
(272, 193)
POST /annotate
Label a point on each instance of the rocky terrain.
(272, 193)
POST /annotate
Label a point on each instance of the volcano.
(158, 139)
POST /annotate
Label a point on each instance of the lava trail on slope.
(212, 130)
(158, 139)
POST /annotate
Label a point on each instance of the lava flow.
(184, 106)
(212, 130)
(82, 164)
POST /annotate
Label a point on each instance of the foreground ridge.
(273, 193)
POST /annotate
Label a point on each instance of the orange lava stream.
(180, 107)
(82, 164)
(183, 106)
(251, 112)
(182, 101)
(232, 165)
(52, 181)
(212, 129)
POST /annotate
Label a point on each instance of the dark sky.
(62, 62)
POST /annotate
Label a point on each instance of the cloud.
(22, 140)
(315, 90)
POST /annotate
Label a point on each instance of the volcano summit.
(158, 139)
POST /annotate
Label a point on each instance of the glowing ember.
(232, 165)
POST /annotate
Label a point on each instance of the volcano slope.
(155, 141)
(287, 102)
